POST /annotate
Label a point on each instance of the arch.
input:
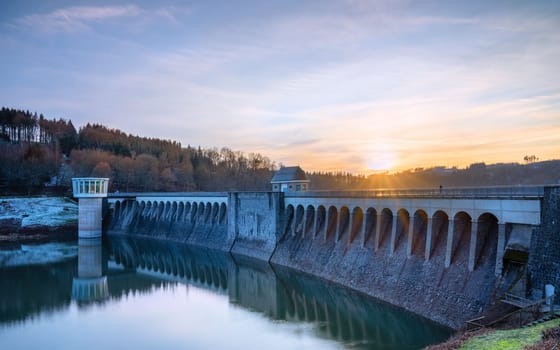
(383, 231)
(435, 245)
(166, 211)
(201, 274)
(147, 209)
(223, 214)
(370, 223)
(343, 223)
(122, 212)
(320, 214)
(215, 278)
(173, 214)
(180, 267)
(458, 247)
(180, 211)
(223, 279)
(290, 224)
(332, 220)
(201, 212)
(161, 208)
(155, 209)
(356, 222)
(215, 213)
(308, 222)
(399, 234)
(299, 220)
(141, 208)
(194, 210)
(207, 212)
(417, 240)
(486, 244)
(117, 212)
(160, 264)
(187, 215)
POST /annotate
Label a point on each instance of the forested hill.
(35, 150)
(38, 154)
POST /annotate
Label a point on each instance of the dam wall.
(188, 218)
(544, 254)
(256, 223)
(449, 296)
(445, 256)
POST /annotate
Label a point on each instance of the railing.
(450, 192)
(167, 194)
(90, 186)
(523, 306)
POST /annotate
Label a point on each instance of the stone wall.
(544, 253)
(165, 222)
(449, 296)
(255, 222)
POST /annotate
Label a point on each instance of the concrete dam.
(444, 254)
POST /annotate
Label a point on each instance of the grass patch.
(513, 339)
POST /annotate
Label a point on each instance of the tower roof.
(289, 173)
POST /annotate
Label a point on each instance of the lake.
(132, 293)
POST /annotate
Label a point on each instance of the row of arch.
(176, 211)
(178, 265)
(338, 321)
(391, 230)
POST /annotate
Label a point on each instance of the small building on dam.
(290, 179)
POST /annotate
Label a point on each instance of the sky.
(334, 85)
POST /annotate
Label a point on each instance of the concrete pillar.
(449, 247)
(315, 222)
(363, 231)
(293, 224)
(326, 228)
(410, 236)
(429, 239)
(378, 228)
(472, 248)
(350, 226)
(91, 192)
(304, 223)
(501, 249)
(394, 234)
(337, 228)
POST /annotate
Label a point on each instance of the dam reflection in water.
(125, 267)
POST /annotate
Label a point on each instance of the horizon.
(352, 86)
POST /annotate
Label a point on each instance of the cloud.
(75, 18)
(79, 18)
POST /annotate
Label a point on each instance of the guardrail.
(90, 186)
(167, 194)
(450, 192)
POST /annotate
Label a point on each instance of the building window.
(298, 188)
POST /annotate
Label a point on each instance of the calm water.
(143, 294)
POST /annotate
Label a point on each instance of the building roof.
(289, 173)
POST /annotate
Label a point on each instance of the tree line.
(476, 174)
(37, 153)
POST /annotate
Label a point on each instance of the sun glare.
(381, 158)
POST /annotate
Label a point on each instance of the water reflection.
(284, 295)
(123, 267)
(90, 285)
